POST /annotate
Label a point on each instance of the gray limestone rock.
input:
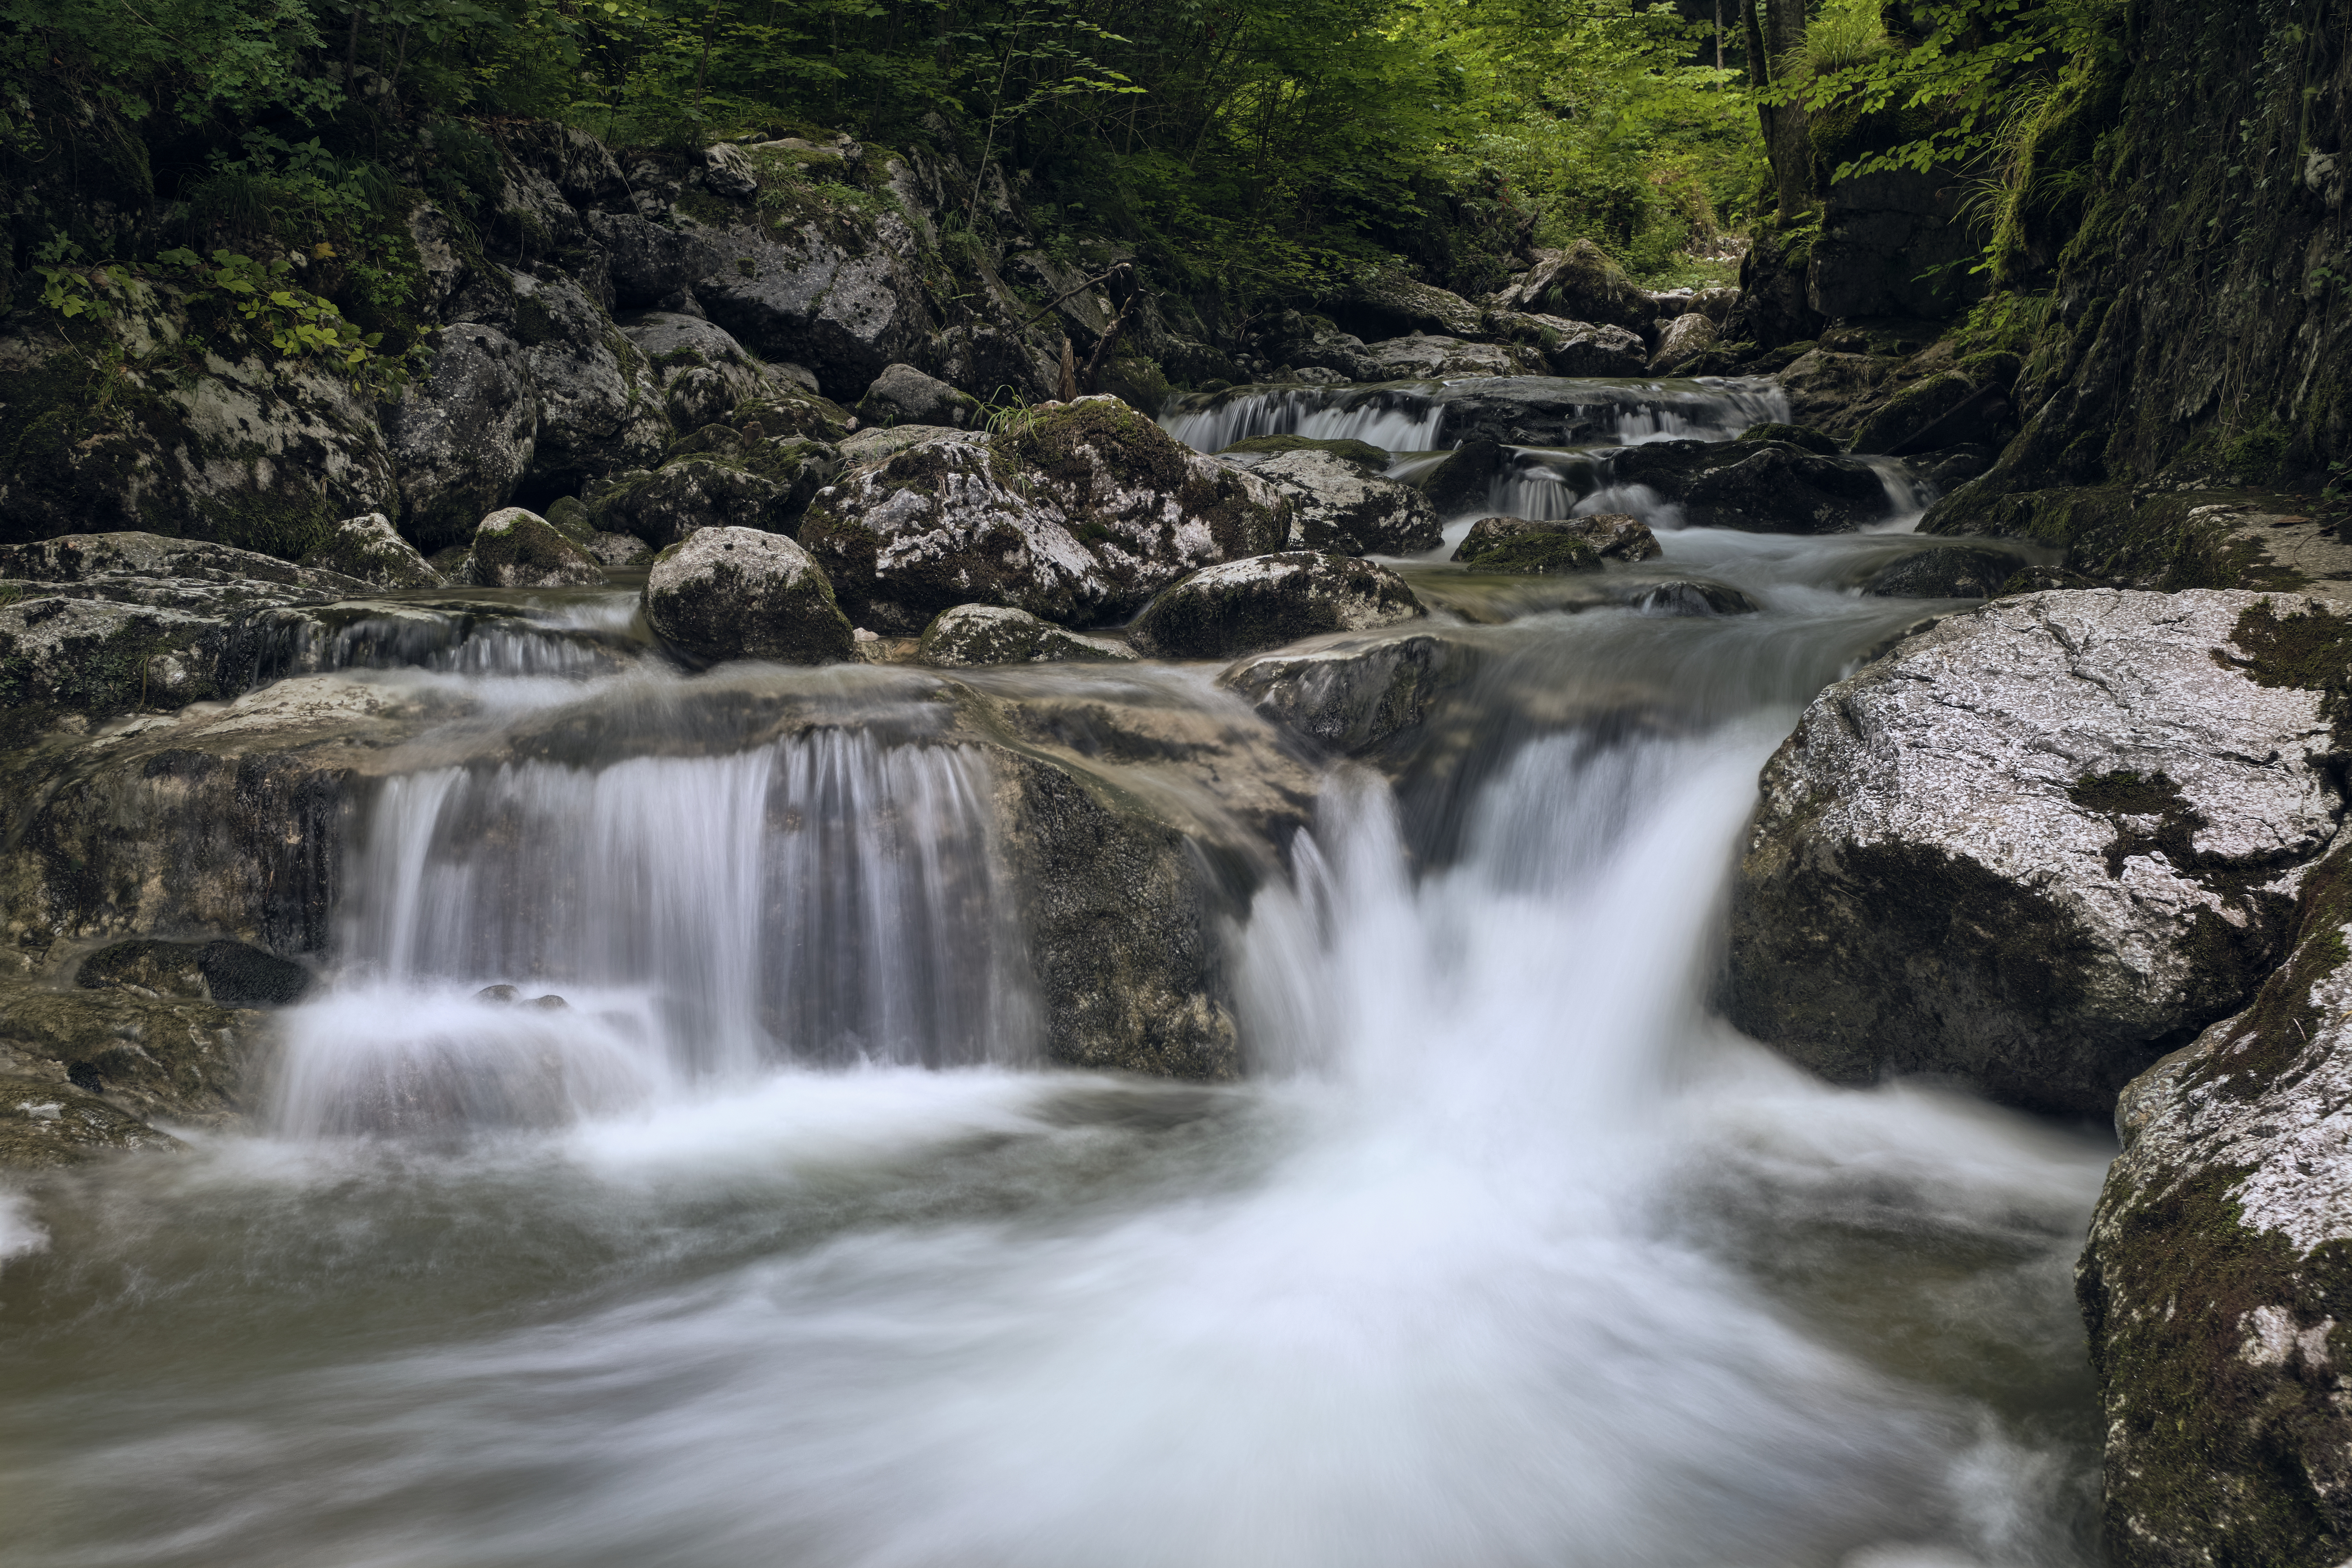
(1685, 339)
(739, 593)
(515, 548)
(463, 435)
(2035, 846)
(1336, 505)
(1353, 692)
(1425, 358)
(371, 549)
(902, 394)
(1247, 606)
(100, 658)
(973, 634)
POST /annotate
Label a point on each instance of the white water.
(767, 1248)
(1394, 420)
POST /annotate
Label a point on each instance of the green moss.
(1362, 452)
(1798, 435)
(2310, 650)
(1530, 552)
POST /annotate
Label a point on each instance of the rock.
(649, 262)
(1803, 437)
(515, 548)
(1536, 548)
(739, 593)
(727, 172)
(1773, 310)
(1335, 505)
(973, 634)
(1692, 596)
(902, 394)
(371, 549)
(1354, 692)
(47, 1123)
(1580, 348)
(1828, 391)
(1362, 454)
(717, 477)
(2214, 1280)
(703, 372)
(1582, 284)
(1248, 606)
(179, 569)
(1890, 244)
(189, 1060)
(620, 551)
(99, 658)
(1948, 469)
(1424, 357)
(1464, 479)
(231, 974)
(1950, 408)
(600, 402)
(2038, 845)
(462, 435)
(874, 444)
(1950, 572)
(1759, 487)
(1688, 338)
(1078, 513)
(1386, 306)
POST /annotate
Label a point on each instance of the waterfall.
(1388, 418)
(827, 899)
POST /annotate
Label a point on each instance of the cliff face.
(2199, 333)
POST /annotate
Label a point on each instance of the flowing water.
(773, 1243)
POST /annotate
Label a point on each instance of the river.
(778, 1244)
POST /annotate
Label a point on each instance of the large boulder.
(902, 394)
(101, 658)
(1582, 284)
(1348, 506)
(1393, 303)
(1423, 357)
(1950, 571)
(600, 402)
(1077, 514)
(1685, 339)
(739, 593)
(1576, 347)
(703, 372)
(976, 634)
(1248, 606)
(2214, 1281)
(717, 477)
(1762, 486)
(2040, 844)
(370, 550)
(462, 435)
(515, 548)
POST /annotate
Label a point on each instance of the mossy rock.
(739, 593)
(1249, 606)
(45, 1123)
(1362, 454)
(230, 974)
(1528, 547)
(568, 516)
(976, 634)
(515, 548)
(1802, 437)
(371, 549)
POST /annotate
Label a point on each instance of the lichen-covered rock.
(2040, 845)
(1362, 454)
(1685, 339)
(739, 593)
(1076, 515)
(103, 658)
(2217, 1271)
(1951, 408)
(1576, 347)
(372, 550)
(704, 373)
(1393, 303)
(519, 549)
(1352, 692)
(1546, 546)
(463, 434)
(741, 484)
(117, 566)
(973, 634)
(1336, 505)
(600, 402)
(902, 394)
(864, 447)
(1422, 357)
(1248, 606)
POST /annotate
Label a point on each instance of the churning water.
(769, 1246)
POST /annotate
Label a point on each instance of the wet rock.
(515, 548)
(1801, 436)
(1464, 479)
(48, 1123)
(2213, 1281)
(181, 1060)
(739, 593)
(1832, 390)
(1951, 573)
(371, 550)
(1536, 548)
(2038, 845)
(463, 434)
(176, 573)
(232, 974)
(1582, 284)
(1692, 596)
(1336, 505)
(1362, 454)
(1078, 514)
(1425, 358)
(1392, 304)
(1948, 408)
(902, 394)
(1685, 339)
(1762, 486)
(99, 658)
(1247, 606)
(1569, 348)
(1946, 470)
(1353, 693)
(973, 634)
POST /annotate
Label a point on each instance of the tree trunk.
(1776, 28)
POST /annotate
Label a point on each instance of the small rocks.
(1248, 606)
(515, 548)
(372, 550)
(739, 593)
(1336, 505)
(976, 634)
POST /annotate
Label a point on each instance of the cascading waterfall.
(1392, 419)
(828, 899)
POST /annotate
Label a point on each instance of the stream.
(779, 1243)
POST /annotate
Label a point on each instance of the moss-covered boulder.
(1582, 284)
(1362, 454)
(1545, 547)
(1248, 606)
(739, 593)
(1948, 408)
(1803, 437)
(99, 658)
(902, 394)
(372, 550)
(515, 548)
(1950, 571)
(763, 484)
(233, 974)
(2043, 843)
(47, 1123)
(1077, 513)
(2216, 1276)
(1684, 340)
(1338, 505)
(973, 634)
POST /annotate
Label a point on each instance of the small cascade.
(1908, 497)
(1539, 484)
(830, 899)
(467, 641)
(1387, 417)
(1640, 501)
(1716, 414)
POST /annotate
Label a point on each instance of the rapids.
(775, 1244)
